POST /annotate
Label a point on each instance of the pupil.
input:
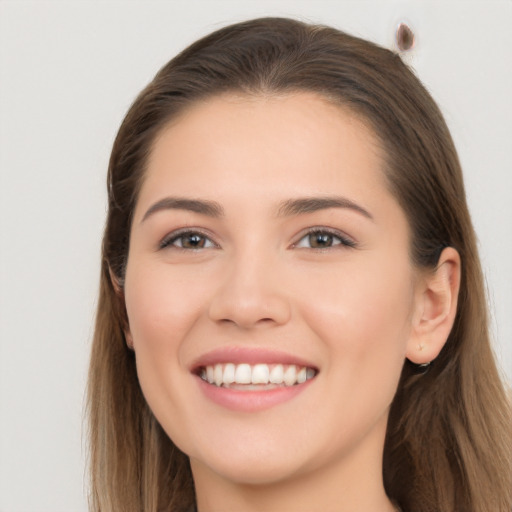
(193, 241)
(319, 240)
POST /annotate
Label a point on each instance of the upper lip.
(239, 355)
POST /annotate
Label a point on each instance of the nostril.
(246, 321)
(249, 308)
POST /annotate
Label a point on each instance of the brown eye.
(320, 240)
(193, 241)
(189, 240)
(324, 239)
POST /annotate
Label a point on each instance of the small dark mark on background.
(404, 37)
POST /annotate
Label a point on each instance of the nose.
(251, 294)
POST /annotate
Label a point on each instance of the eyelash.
(169, 240)
(344, 241)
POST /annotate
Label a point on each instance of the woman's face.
(266, 247)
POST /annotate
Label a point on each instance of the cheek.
(361, 315)
(363, 311)
(161, 306)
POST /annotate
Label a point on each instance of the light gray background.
(68, 72)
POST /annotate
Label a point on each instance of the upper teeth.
(229, 373)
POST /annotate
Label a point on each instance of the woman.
(292, 313)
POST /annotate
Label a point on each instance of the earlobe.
(128, 338)
(435, 309)
(118, 289)
(116, 284)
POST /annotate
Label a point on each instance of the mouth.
(249, 380)
(255, 377)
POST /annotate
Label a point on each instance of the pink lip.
(248, 401)
(238, 355)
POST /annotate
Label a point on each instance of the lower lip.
(250, 401)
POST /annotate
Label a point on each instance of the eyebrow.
(313, 204)
(286, 209)
(209, 208)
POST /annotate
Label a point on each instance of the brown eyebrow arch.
(209, 208)
(286, 209)
(313, 204)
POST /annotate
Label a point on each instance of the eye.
(188, 240)
(324, 239)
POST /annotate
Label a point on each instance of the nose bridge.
(250, 291)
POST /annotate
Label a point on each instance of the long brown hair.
(448, 445)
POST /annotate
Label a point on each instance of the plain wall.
(68, 72)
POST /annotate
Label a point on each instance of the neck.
(352, 483)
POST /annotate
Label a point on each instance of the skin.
(354, 312)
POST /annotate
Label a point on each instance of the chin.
(250, 467)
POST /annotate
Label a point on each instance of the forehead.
(261, 144)
(268, 119)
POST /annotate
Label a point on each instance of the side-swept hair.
(448, 445)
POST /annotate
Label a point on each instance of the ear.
(118, 289)
(435, 308)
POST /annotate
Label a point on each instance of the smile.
(255, 377)
(248, 380)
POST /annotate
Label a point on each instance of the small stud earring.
(423, 368)
(419, 369)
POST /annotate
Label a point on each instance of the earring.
(419, 369)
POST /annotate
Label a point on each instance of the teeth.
(217, 374)
(243, 374)
(276, 375)
(290, 375)
(229, 374)
(260, 374)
